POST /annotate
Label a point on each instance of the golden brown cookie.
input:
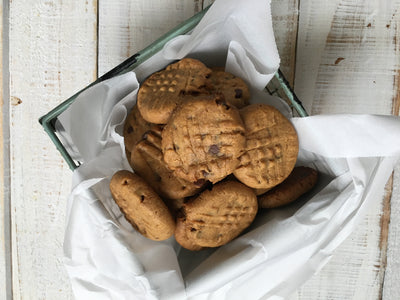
(142, 207)
(203, 139)
(134, 128)
(147, 161)
(217, 216)
(271, 150)
(234, 89)
(259, 192)
(182, 238)
(174, 205)
(159, 94)
(299, 182)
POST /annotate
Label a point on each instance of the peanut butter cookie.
(299, 182)
(234, 89)
(159, 94)
(271, 150)
(134, 128)
(203, 139)
(216, 216)
(147, 161)
(142, 207)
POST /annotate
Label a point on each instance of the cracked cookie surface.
(217, 216)
(142, 207)
(163, 91)
(203, 139)
(234, 89)
(271, 147)
(147, 161)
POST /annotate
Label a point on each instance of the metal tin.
(278, 86)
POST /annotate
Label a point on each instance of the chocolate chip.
(223, 103)
(193, 229)
(130, 129)
(238, 93)
(141, 198)
(214, 149)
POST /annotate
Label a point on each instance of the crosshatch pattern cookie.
(147, 161)
(217, 216)
(233, 88)
(299, 182)
(134, 128)
(271, 150)
(203, 139)
(163, 91)
(182, 238)
(142, 207)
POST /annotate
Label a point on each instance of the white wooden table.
(340, 56)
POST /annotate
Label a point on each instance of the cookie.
(159, 94)
(259, 192)
(183, 240)
(134, 128)
(216, 216)
(299, 182)
(271, 150)
(203, 139)
(147, 161)
(142, 207)
(234, 89)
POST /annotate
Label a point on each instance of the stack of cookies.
(201, 154)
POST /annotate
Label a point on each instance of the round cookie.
(147, 161)
(234, 89)
(134, 128)
(271, 150)
(217, 216)
(299, 182)
(159, 94)
(142, 207)
(182, 238)
(203, 139)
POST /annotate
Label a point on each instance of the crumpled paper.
(107, 259)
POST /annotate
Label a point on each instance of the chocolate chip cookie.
(142, 207)
(134, 128)
(203, 139)
(299, 182)
(271, 149)
(216, 216)
(234, 89)
(147, 161)
(160, 94)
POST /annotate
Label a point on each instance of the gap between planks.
(5, 216)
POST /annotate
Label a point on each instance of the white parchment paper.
(107, 259)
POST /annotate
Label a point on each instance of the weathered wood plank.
(4, 222)
(391, 288)
(52, 55)
(348, 62)
(284, 20)
(126, 27)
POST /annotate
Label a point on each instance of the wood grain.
(126, 27)
(284, 20)
(4, 221)
(348, 62)
(392, 275)
(52, 55)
